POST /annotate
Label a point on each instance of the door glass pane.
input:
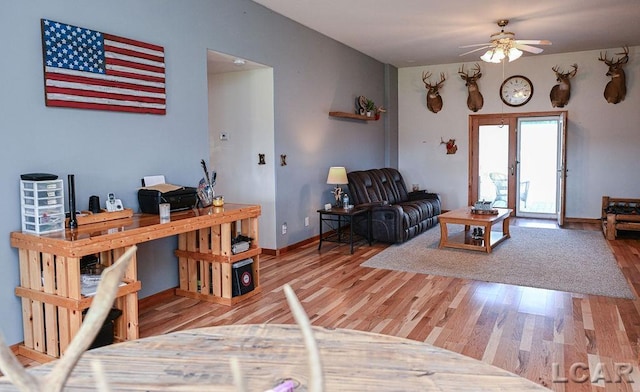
(493, 163)
(538, 166)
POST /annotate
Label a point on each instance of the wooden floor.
(557, 339)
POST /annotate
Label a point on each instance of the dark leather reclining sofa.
(397, 215)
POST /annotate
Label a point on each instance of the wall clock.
(516, 90)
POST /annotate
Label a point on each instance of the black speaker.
(242, 277)
(94, 204)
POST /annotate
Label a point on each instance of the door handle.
(512, 168)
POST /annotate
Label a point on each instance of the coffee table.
(464, 240)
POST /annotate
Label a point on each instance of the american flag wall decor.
(88, 69)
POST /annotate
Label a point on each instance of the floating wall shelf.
(351, 116)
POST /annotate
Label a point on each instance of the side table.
(336, 219)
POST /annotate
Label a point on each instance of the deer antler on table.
(100, 307)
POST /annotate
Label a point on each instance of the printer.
(178, 197)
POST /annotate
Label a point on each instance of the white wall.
(603, 139)
(241, 104)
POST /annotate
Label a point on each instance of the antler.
(621, 60)
(476, 70)
(100, 306)
(425, 76)
(465, 75)
(625, 58)
(605, 59)
(569, 74)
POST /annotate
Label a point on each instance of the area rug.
(576, 261)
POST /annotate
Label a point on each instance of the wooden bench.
(619, 214)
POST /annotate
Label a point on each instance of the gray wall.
(110, 152)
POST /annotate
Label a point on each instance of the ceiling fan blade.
(528, 48)
(476, 50)
(533, 41)
(473, 45)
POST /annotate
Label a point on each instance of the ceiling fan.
(504, 44)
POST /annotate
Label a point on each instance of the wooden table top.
(199, 359)
(95, 237)
(465, 213)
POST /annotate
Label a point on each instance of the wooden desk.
(198, 360)
(52, 303)
(464, 216)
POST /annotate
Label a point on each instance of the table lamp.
(337, 175)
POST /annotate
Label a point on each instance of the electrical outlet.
(306, 221)
(284, 228)
(224, 136)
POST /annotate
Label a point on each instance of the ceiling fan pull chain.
(502, 103)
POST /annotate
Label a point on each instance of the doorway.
(241, 126)
(517, 161)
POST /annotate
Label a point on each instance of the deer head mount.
(474, 97)
(616, 89)
(434, 100)
(561, 92)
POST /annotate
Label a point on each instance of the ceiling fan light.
(514, 54)
(493, 56)
(487, 56)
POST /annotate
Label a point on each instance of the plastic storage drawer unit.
(42, 206)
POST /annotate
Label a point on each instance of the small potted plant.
(378, 111)
(370, 106)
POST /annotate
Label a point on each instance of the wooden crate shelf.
(206, 261)
(50, 288)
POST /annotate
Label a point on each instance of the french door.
(518, 161)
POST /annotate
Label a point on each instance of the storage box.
(242, 277)
(42, 204)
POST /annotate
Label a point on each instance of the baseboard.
(158, 297)
(281, 251)
(595, 221)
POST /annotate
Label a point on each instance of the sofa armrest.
(386, 222)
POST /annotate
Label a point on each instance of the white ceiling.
(425, 32)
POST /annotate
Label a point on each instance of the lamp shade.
(337, 175)
(493, 55)
(497, 54)
(514, 54)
